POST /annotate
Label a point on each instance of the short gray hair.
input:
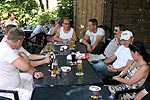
(15, 34)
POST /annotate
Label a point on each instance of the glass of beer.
(72, 44)
(55, 67)
(94, 97)
(49, 47)
(79, 67)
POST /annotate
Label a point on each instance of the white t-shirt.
(64, 35)
(9, 74)
(123, 55)
(93, 36)
(10, 22)
(21, 49)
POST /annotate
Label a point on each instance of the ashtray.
(66, 69)
(94, 88)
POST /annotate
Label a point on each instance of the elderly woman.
(136, 72)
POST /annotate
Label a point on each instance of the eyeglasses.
(66, 23)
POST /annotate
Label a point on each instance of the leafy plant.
(28, 12)
(65, 8)
(23, 10)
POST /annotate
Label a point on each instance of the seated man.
(114, 43)
(94, 37)
(119, 58)
(65, 33)
(39, 28)
(12, 61)
(33, 57)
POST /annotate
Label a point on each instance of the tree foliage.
(28, 12)
(24, 10)
(65, 8)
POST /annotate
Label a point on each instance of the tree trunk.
(41, 4)
(47, 6)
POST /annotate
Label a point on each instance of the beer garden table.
(66, 81)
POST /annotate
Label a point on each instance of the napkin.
(69, 57)
(96, 57)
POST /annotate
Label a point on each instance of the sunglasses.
(66, 23)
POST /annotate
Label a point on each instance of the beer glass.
(55, 67)
(49, 47)
(79, 67)
(72, 44)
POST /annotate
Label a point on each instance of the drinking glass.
(79, 67)
(71, 44)
(64, 42)
(55, 67)
(49, 47)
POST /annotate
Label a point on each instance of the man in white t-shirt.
(119, 58)
(36, 60)
(94, 36)
(12, 61)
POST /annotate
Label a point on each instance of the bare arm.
(125, 70)
(74, 36)
(112, 69)
(35, 56)
(110, 59)
(56, 36)
(139, 75)
(43, 59)
(86, 41)
(24, 64)
(98, 40)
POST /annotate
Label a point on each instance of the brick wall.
(133, 13)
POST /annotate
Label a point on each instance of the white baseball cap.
(126, 35)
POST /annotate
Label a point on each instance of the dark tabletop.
(67, 85)
(69, 92)
(67, 78)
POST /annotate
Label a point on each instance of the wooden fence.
(83, 11)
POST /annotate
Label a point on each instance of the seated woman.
(52, 31)
(135, 74)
